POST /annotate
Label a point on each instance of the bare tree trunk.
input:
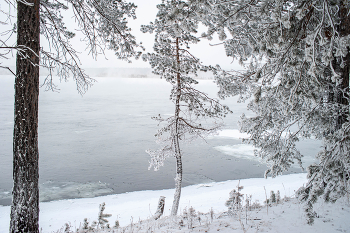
(178, 182)
(178, 178)
(160, 208)
(25, 202)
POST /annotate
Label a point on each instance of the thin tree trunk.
(25, 202)
(178, 178)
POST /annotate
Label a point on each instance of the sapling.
(191, 216)
(102, 221)
(234, 203)
(278, 197)
(85, 224)
(272, 197)
(116, 224)
(248, 201)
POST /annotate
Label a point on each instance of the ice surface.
(53, 190)
(232, 133)
(50, 190)
(240, 151)
(192, 178)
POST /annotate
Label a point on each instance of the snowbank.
(133, 206)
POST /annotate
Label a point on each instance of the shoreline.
(142, 204)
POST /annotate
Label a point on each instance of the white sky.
(146, 12)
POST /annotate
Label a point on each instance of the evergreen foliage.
(278, 197)
(195, 113)
(235, 201)
(296, 78)
(272, 197)
(102, 217)
(99, 225)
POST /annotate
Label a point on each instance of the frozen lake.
(95, 144)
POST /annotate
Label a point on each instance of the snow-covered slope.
(135, 206)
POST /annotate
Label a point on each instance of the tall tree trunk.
(25, 202)
(178, 178)
(343, 70)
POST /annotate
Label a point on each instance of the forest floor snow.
(202, 209)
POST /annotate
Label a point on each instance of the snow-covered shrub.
(248, 201)
(192, 219)
(67, 228)
(272, 197)
(278, 197)
(85, 224)
(275, 198)
(116, 224)
(190, 215)
(255, 205)
(235, 201)
(96, 226)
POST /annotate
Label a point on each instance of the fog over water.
(95, 144)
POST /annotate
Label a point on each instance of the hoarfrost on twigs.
(296, 54)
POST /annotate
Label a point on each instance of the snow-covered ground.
(137, 207)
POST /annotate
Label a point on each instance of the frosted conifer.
(296, 58)
(235, 201)
(102, 217)
(195, 113)
(272, 197)
(278, 197)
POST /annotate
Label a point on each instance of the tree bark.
(25, 202)
(343, 70)
(178, 178)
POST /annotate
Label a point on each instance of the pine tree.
(25, 201)
(103, 24)
(234, 203)
(175, 28)
(296, 58)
